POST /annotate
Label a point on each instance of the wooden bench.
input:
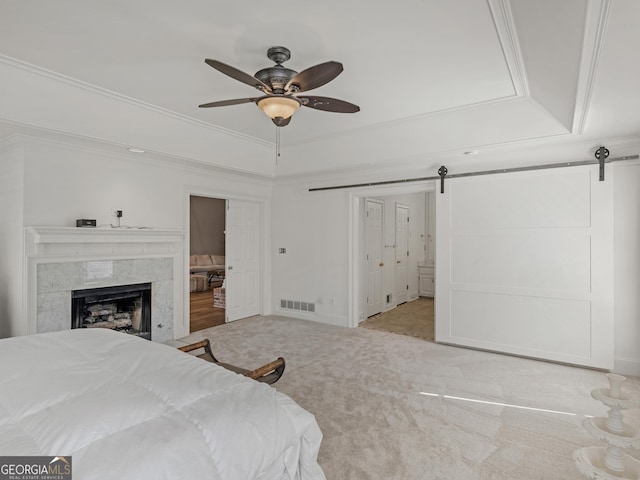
(269, 373)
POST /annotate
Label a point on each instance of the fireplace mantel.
(57, 260)
(55, 241)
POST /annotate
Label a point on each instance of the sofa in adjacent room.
(204, 269)
(205, 263)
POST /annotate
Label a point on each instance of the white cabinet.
(426, 280)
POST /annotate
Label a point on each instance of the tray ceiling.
(433, 79)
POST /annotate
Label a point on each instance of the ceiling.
(433, 79)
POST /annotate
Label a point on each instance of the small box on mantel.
(85, 222)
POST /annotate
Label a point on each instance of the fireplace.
(124, 308)
(61, 260)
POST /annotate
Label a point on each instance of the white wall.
(11, 236)
(63, 182)
(314, 229)
(321, 234)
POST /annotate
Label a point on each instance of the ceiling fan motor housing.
(276, 77)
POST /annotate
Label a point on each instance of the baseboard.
(389, 306)
(326, 319)
(627, 366)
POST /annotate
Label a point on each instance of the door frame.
(264, 248)
(357, 284)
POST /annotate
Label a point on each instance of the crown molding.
(57, 77)
(94, 147)
(507, 35)
(595, 31)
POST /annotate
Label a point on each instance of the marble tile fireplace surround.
(60, 260)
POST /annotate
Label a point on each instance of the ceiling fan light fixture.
(278, 106)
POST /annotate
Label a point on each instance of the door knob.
(381, 264)
(398, 261)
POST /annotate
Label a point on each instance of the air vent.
(297, 305)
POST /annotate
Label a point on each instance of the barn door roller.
(602, 154)
(442, 171)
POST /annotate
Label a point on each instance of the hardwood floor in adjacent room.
(415, 319)
(203, 313)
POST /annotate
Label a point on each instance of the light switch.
(282, 250)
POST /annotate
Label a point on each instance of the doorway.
(234, 279)
(207, 249)
(395, 232)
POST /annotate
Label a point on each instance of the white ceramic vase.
(610, 462)
(615, 384)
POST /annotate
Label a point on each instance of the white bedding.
(125, 408)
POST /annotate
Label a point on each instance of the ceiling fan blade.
(314, 77)
(238, 75)
(224, 103)
(281, 122)
(329, 104)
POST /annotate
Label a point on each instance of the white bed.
(124, 408)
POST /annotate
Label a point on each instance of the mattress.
(123, 407)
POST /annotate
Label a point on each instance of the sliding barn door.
(242, 259)
(524, 264)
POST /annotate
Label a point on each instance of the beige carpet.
(364, 387)
(412, 318)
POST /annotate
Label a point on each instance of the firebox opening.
(125, 308)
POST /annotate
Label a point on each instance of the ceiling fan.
(279, 84)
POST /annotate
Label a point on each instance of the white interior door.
(402, 254)
(242, 259)
(524, 264)
(373, 255)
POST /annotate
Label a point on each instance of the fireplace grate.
(124, 308)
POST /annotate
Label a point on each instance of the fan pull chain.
(277, 144)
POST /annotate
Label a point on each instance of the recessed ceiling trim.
(400, 121)
(394, 165)
(592, 45)
(42, 72)
(505, 28)
(552, 148)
